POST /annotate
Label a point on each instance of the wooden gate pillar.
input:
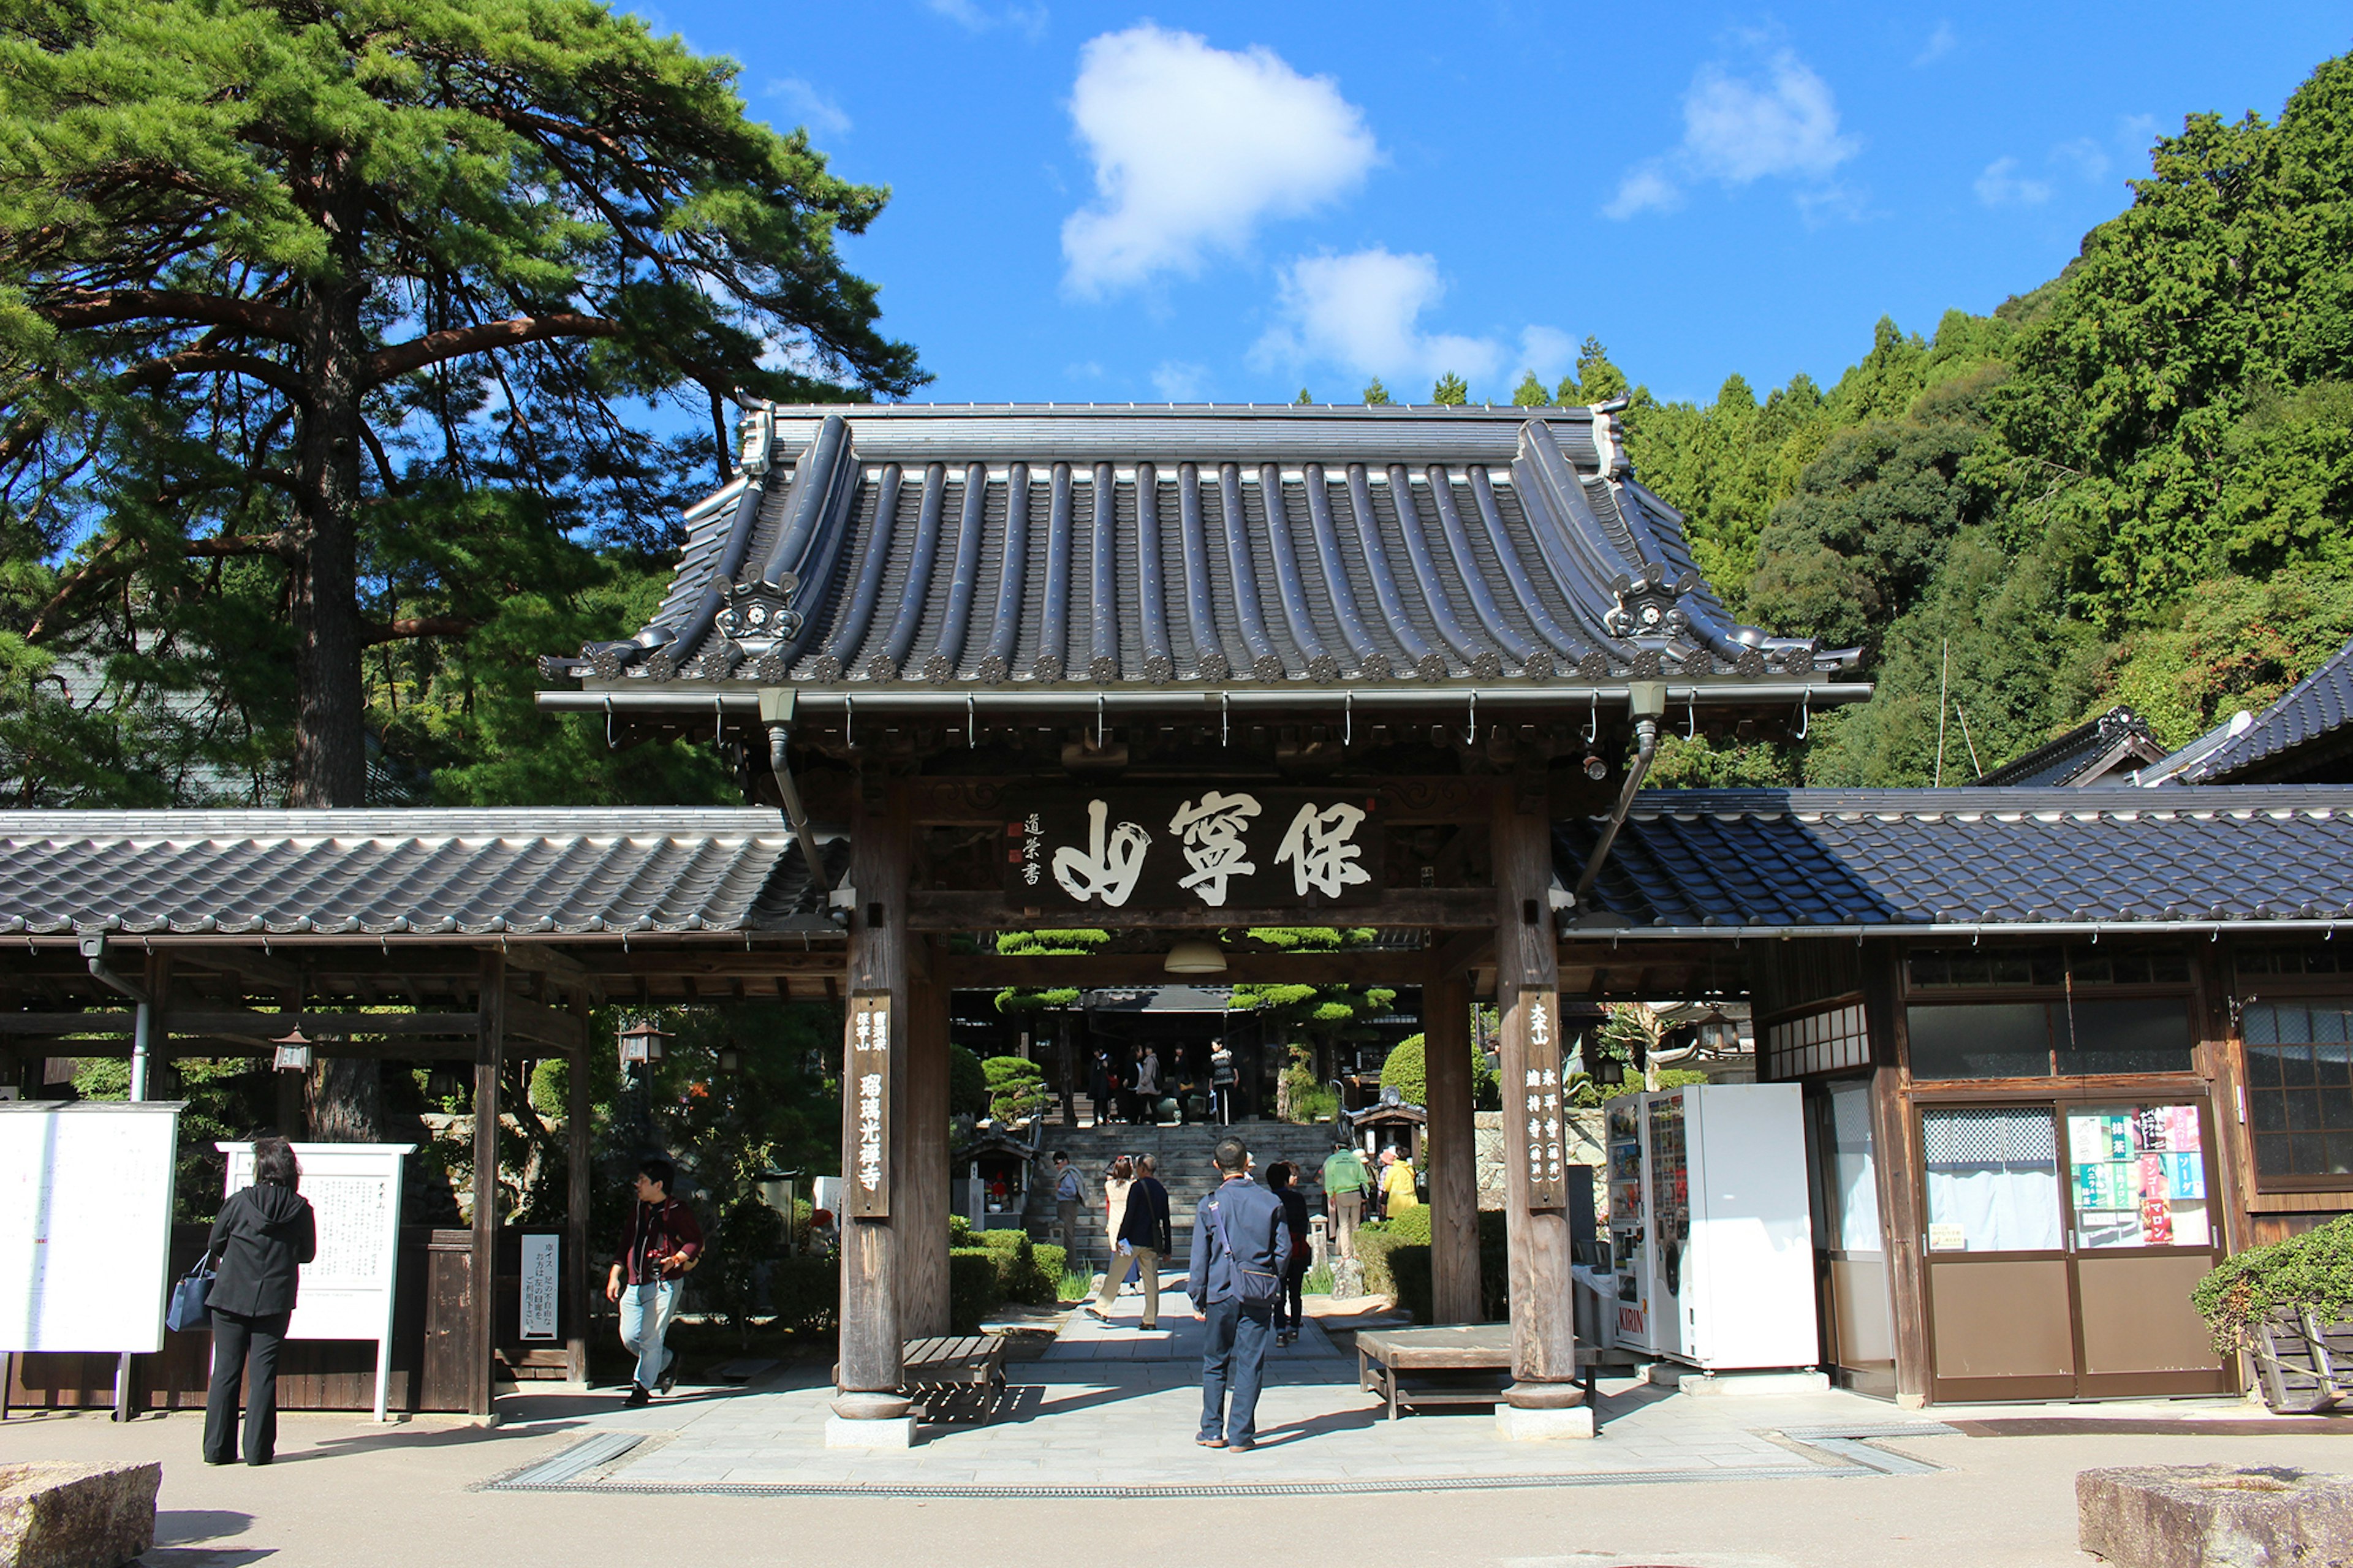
(922, 1206)
(869, 1410)
(1528, 986)
(482, 1285)
(1454, 1151)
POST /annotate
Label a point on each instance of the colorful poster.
(2185, 1174)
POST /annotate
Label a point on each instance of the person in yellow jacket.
(1397, 1186)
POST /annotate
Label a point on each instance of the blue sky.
(1230, 202)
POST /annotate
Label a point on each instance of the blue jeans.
(646, 1312)
(1234, 1353)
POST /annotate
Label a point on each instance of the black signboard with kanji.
(1242, 847)
(1538, 1100)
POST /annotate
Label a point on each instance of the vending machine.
(1709, 1225)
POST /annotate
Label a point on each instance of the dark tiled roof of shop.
(454, 872)
(1118, 546)
(2311, 717)
(1968, 856)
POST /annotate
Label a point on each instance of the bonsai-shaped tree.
(1055, 1000)
(1017, 1088)
(1318, 1016)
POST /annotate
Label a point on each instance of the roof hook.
(1805, 714)
(1102, 735)
(1348, 719)
(849, 720)
(718, 720)
(610, 744)
(1690, 715)
(1472, 738)
(1593, 726)
(971, 723)
(1225, 717)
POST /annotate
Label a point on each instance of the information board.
(543, 1279)
(85, 1224)
(347, 1289)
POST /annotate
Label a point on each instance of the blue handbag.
(191, 1300)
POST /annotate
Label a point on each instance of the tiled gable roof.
(2312, 715)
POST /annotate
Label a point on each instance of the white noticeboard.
(347, 1291)
(85, 1224)
(542, 1282)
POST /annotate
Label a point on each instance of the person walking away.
(1143, 1229)
(1116, 1181)
(263, 1235)
(1068, 1192)
(663, 1243)
(1221, 1081)
(1099, 1085)
(1282, 1179)
(1235, 1281)
(1397, 1186)
(1147, 1085)
(1344, 1183)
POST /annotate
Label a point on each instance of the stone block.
(840, 1432)
(1514, 1425)
(1749, 1384)
(2215, 1516)
(58, 1515)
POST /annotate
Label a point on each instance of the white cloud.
(2001, 185)
(1194, 147)
(1179, 382)
(1362, 314)
(975, 18)
(1940, 44)
(1548, 352)
(1780, 121)
(2083, 155)
(811, 106)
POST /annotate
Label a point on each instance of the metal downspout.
(1648, 701)
(777, 710)
(93, 952)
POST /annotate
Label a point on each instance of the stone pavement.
(1110, 1410)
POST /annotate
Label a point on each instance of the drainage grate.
(564, 1471)
(1851, 1443)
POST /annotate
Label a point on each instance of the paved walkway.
(1111, 1410)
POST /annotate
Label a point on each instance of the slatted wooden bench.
(1460, 1363)
(955, 1378)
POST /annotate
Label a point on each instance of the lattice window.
(2300, 1092)
(1819, 1041)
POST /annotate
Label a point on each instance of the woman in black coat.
(265, 1234)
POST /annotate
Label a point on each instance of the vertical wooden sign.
(1540, 1113)
(867, 1081)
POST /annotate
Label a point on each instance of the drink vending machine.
(1710, 1228)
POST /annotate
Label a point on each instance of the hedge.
(1396, 1259)
(806, 1293)
(1005, 1265)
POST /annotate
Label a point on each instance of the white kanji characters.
(1539, 1019)
(1108, 868)
(1211, 833)
(1320, 850)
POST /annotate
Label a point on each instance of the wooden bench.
(955, 1378)
(1463, 1363)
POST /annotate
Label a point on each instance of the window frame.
(2301, 990)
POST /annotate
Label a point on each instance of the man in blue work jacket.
(1240, 1242)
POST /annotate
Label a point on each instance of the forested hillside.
(2132, 484)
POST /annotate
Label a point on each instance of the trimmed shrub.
(806, 1293)
(1017, 1088)
(2313, 1271)
(976, 1283)
(1411, 1227)
(1396, 1259)
(967, 1084)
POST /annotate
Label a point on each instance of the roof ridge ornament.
(756, 430)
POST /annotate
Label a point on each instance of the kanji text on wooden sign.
(1540, 1103)
(1242, 847)
(867, 1080)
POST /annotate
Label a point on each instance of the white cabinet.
(1709, 1225)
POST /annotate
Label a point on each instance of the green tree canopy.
(330, 298)
(1374, 392)
(1451, 390)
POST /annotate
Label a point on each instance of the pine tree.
(1302, 400)
(1451, 390)
(1531, 393)
(1376, 394)
(253, 252)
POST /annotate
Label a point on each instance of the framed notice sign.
(1244, 847)
(867, 1179)
(1538, 1113)
(346, 1292)
(543, 1277)
(85, 1224)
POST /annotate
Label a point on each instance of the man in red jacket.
(663, 1243)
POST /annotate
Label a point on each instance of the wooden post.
(1527, 985)
(1896, 1164)
(576, 1114)
(920, 1208)
(1454, 1151)
(871, 1368)
(483, 1293)
(289, 1084)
